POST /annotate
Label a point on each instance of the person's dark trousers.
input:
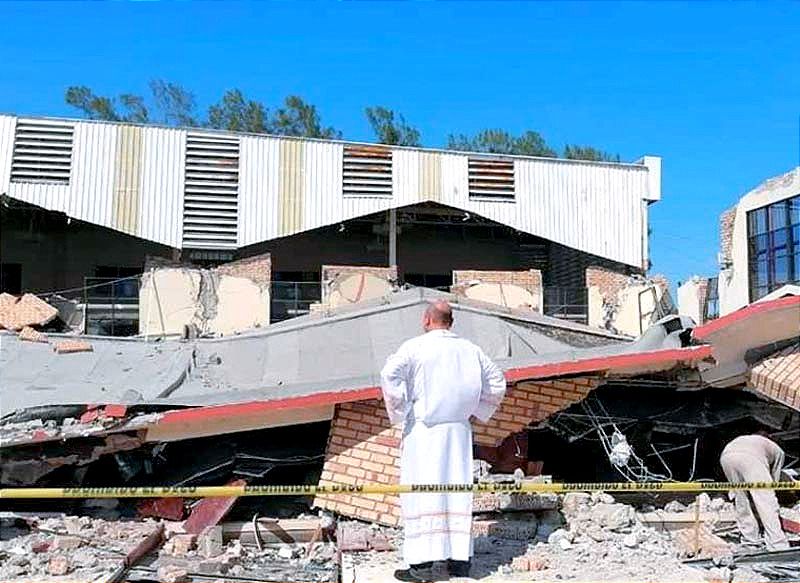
(458, 568)
(423, 573)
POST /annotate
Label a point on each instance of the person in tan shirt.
(755, 458)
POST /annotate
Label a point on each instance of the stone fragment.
(520, 564)
(28, 334)
(612, 516)
(630, 540)
(66, 543)
(603, 497)
(558, 536)
(285, 552)
(172, 574)
(209, 543)
(573, 502)
(73, 524)
(58, 565)
(41, 546)
(72, 345)
(180, 544)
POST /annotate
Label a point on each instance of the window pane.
(780, 238)
(781, 269)
(777, 219)
(797, 266)
(758, 221)
(794, 210)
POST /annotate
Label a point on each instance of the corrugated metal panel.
(491, 178)
(211, 190)
(259, 189)
(592, 208)
(91, 190)
(406, 171)
(430, 176)
(127, 179)
(292, 187)
(7, 124)
(324, 203)
(161, 195)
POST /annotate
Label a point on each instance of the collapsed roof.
(305, 356)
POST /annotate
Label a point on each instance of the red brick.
(372, 466)
(387, 441)
(382, 459)
(375, 448)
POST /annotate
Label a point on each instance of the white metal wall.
(592, 207)
(161, 196)
(7, 125)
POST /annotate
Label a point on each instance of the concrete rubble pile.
(72, 548)
(592, 537)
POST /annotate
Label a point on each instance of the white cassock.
(432, 385)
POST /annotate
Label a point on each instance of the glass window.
(794, 210)
(774, 246)
(778, 215)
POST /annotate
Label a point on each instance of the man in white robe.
(433, 385)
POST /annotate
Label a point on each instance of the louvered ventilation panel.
(491, 178)
(367, 171)
(210, 203)
(42, 151)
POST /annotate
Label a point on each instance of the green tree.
(496, 141)
(391, 128)
(93, 106)
(298, 118)
(236, 113)
(575, 152)
(175, 103)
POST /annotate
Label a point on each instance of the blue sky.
(713, 88)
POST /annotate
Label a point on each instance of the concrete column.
(392, 237)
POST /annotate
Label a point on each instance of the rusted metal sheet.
(210, 511)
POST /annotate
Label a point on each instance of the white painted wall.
(734, 290)
(689, 303)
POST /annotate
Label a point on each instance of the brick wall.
(257, 268)
(530, 279)
(726, 221)
(362, 447)
(608, 282)
(530, 402)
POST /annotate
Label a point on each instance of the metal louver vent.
(367, 171)
(42, 151)
(210, 202)
(491, 178)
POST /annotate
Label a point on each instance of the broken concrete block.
(58, 565)
(28, 310)
(70, 346)
(575, 501)
(507, 529)
(351, 538)
(612, 516)
(209, 543)
(520, 564)
(73, 524)
(172, 574)
(66, 543)
(28, 334)
(513, 502)
(180, 544)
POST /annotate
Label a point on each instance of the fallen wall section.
(364, 448)
(224, 300)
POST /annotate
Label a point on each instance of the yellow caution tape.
(314, 490)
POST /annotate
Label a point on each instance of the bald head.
(438, 315)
